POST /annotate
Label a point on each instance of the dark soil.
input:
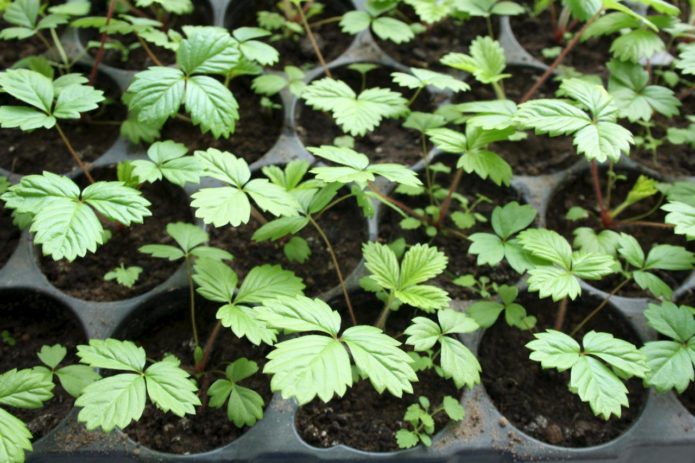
(138, 58)
(164, 328)
(297, 50)
(456, 248)
(344, 225)
(426, 49)
(14, 50)
(257, 130)
(389, 142)
(538, 401)
(9, 236)
(83, 278)
(41, 149)
(34, 321)
(364, 419)
(534, 155)
(579, 192)
(688, 399)
(536, 33)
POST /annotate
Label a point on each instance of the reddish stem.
(561, 57)
(606, 219)
(100, 53)
(200, 366)
(444, 208)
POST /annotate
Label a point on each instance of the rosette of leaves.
(492, 248)
(272, 83)
(376, 16)
(190, 243)
(321, 364)
(486, 63)
(244, 405)
(597, 369)
(356, 114)
(48, 100)
(118, 400)
(670, 360)
(124, 276)
(403, 283)
(473, 148)
(230, 204)
(557, 269)
(65, 220)
(455, 359)
(486, 313)
(217, 282)
(167, 159)
(595, 133)
(157, 94)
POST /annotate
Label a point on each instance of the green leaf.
(162, 251)
(168, 160)
(425, 297)
(171, 389)
(186, 235)
(591, 266)
(300, 314)
(554, 349)
(28, 388)
(124, 276)
(425, 78)
(157, 94)
(618, 353)
(486, 164)
(553, 117)
(29, 87)
(211, 106)
(24, 118)
(112, 402)
(420, 263)
(485, 313)
(15, 438)
(669, 257)
(670, 366)
(309, 366)
(354, 22)
(23, 13)
(512, 218)
(423, 334)
(382, 263)
(297, 250)
(636, 45)
(51, 356)
(216, 281)
(355, 114)
(486, 60)
(406, 439)
(676, 322)
(245, 406)
(392, 29)
(279, 228)
(682, 215)
(74, 378)
(453, 408)
(554, 282)
(207, 50)
(599, 386)
(117, 202)
(378, 357)
(112, 354)
(488, 247)
(454, 322)
(222, 206)
(459, 363)
(576, 213)
(267, 282)
(174, 6)
(244, 322)
(75, 99)
(548, 245)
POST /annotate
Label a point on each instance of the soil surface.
(34, 321)
(41, 149)
(536, 33)
(534, 155)
(538, 401)
(364, 419)
(456, 247)
(83, 278)
(257, 129)
(443, 37)
(9, 236)
(14, 50)
(389, 142)
(164, 328)
(138, 59)
(344, 225)
(297, 50)
(579, 192)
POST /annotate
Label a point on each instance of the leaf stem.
(333, 204)
(331, 251)
(256, 214)
(606, 219)
(400, 205)
(599, 307)
(385, 312)
(561, 314)
(149, 52)
(560, 58)
(102, 42)
(312, 39)
(74, 154)
(642, 223)
(415, 95)
(444, 208)
(59, 47)
(191, 296)
(207, 350)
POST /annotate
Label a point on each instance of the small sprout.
(421, 421)
(576, 213)
(124, 276)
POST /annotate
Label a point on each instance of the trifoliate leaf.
(168, 159)
(486, 60)
(124, 276)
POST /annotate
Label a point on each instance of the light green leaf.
(554, 349)
(112, 354)
(15, 438)
(27, 388)
(51, 356)
(300, 314)
(268, 282)
(211, 106)
(599, 386)
(244, 322)
(216, 281)
(112, 402)
(459, 363)
(74, 378)
(171, 389)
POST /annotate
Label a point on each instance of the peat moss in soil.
(84, 278)
(579, 191)
(536, 33)
(538, 402)
(534, 155)
(344, 225)
(43, 150)
(163, 327)
(461, 262)
(296, 50)
(33, 321)
(389, 142)
(9, 236)
(362, 418)
(442, 37)
(138, 58)
(257, 129)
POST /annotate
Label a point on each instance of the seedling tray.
(665, 430)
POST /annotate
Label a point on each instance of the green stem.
(385, 312)
(191, 295)
(499, 91)
(333, 204)
(59, 47)
(415, 95)
(334, 258)
(490, 30)
(599, 307)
